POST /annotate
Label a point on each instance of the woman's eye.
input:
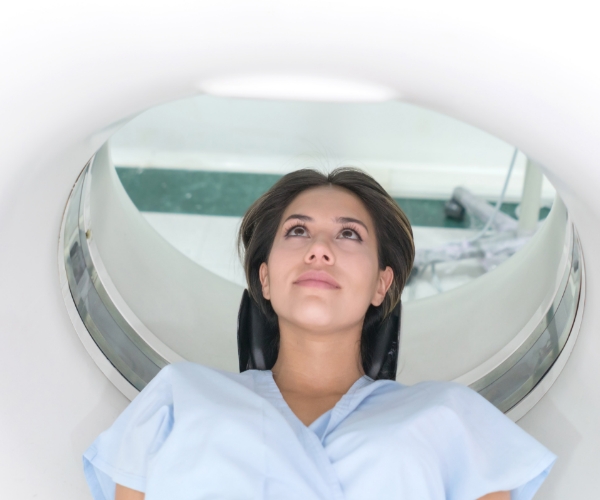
(297, 231)
(350, 234)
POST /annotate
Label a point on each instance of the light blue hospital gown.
(198, 433)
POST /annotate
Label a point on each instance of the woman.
(326, 258)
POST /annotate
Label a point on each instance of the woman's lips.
(317, 279)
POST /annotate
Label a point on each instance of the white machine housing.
(72, 73)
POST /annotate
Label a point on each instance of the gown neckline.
(321, 423)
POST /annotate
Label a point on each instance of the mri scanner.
(83, 272)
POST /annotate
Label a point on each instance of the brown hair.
(392, 230)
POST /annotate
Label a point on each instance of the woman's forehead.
(328, 202)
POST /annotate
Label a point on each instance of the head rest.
(258, 341)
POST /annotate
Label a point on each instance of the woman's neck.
(317, 364)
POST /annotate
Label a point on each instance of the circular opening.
(149, 237)
(209, 158)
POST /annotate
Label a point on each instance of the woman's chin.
(315, 324)
(317, 319)
(317, 313)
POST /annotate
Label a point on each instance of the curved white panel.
(470, 324)
(153, 277)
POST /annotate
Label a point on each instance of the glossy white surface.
(525, 73)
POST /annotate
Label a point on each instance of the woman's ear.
(263, 274)
(386, 276)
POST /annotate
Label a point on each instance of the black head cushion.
(258, 341)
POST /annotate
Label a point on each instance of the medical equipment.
(75, 75)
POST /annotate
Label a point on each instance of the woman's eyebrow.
(346, 220)
(300, 217)
(339, 220)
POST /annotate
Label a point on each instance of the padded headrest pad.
(258, 341)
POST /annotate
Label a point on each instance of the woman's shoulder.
(184, 407)
(452, 395)
(184, 383)
(188, 372)
(429, 394)
(195, 390)
(454, 410)
(452, 425)
(190, 369)
(449, 405)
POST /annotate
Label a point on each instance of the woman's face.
(323, 270)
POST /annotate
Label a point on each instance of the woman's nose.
(319, 251)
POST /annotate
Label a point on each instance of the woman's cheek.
(281, 267)
(361, 267)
